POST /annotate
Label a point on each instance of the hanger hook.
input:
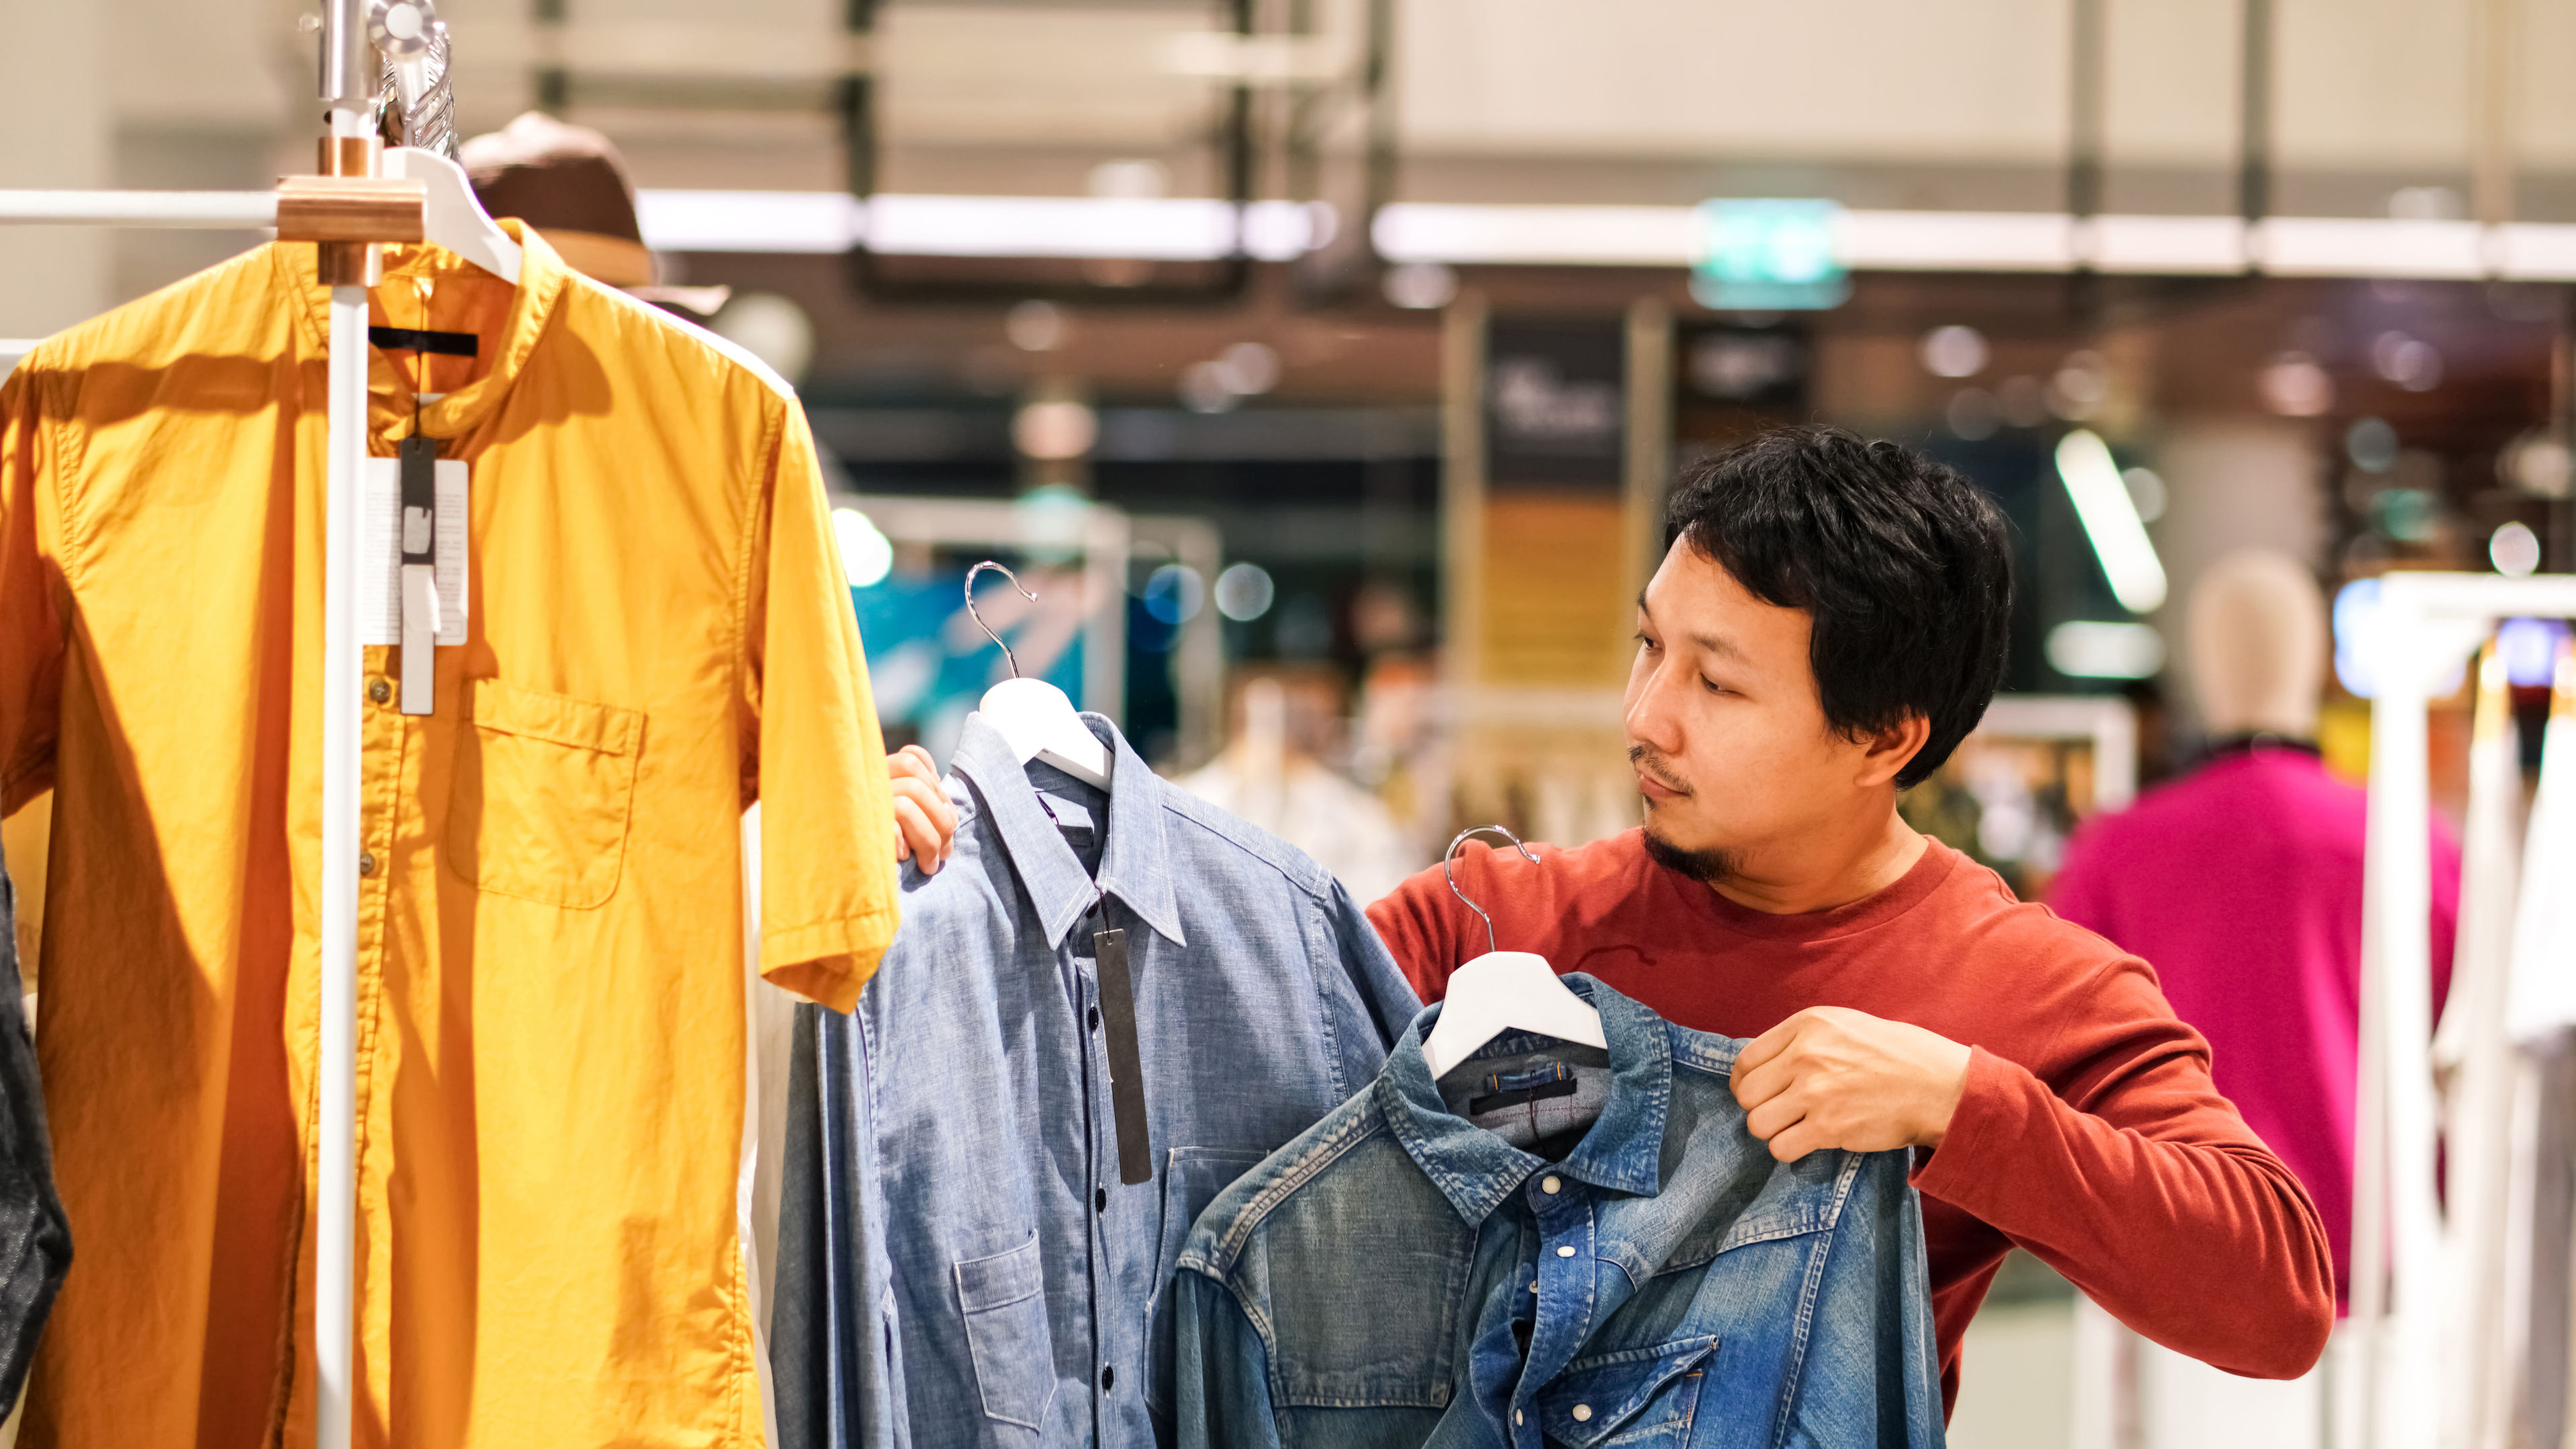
(1007, 657)
(1448, 872)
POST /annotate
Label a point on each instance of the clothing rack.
(2390, 1380)
(345, 212)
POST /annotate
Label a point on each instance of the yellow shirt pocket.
(544, 791)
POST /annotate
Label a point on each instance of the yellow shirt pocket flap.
(543, 796)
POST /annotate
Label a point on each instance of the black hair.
(1904, 565)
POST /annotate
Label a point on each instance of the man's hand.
(1831, 1077)
(925, 824)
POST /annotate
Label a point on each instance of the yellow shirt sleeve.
(828, 894)
(31, 621)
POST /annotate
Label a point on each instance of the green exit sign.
(1769, 256)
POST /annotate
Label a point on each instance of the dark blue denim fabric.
(1400, 1278)
(960, 1265)
(35, 1238)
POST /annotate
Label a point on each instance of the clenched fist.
(1831, 1077)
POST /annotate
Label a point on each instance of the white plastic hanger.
(1503, 991)
(1033, 715)
(453, 218)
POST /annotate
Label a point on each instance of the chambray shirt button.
(1565, 1252)
(1582, 1413)
(1108, 1379)
(1549, 1185)
(1100, 1199)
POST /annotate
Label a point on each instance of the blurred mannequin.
(2241, 883)
(1268, 774)
(2258, 647)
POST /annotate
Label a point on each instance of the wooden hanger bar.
(349, 209)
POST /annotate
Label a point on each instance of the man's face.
(1725, 729)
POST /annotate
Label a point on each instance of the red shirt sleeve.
(2141, 1185)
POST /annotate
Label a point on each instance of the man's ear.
(1886, 752)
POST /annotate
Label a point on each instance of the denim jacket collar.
(1476, 1170)
(1134, 861)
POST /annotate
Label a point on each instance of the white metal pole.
(248, 210)
(2397, 1022)
(348, 84)
(342, 664)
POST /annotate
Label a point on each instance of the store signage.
(1556, 412)
(1768, 256)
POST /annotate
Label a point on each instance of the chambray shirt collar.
(1135, 861)
(1476, 1170)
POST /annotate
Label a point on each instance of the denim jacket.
(961, 1265)
(1401, 1278)
(35, 1238)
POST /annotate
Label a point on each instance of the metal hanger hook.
(1007, 656)
(1448, 872)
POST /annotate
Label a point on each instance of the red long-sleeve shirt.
(2089, 1132)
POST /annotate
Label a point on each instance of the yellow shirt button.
(366, 862)
(380, 691)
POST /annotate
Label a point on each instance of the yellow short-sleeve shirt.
(550, 983)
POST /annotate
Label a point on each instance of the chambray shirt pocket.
(1003, 1301)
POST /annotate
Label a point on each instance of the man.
(1827, 625)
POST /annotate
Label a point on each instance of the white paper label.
(380, 550)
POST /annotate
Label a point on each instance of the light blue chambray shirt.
(1400, 1277)
(960, 1265)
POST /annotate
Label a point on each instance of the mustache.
(1649, 761)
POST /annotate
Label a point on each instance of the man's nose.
(1651, 718)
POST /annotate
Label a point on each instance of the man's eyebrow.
(1712, 643)
(1718, 644)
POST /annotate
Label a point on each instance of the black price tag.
(419, 531)
(418, 576)
(1126, 1068)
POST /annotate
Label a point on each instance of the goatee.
(1708, 867)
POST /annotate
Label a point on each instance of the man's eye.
(1642, 639)
(1711, 685)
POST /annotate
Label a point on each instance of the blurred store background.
(1320, 363)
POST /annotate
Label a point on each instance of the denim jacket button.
(1516, 1416)
(1582, 1413)
(1565, 1252)
(1549, 1184)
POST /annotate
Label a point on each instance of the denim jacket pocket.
(1192, 1178)
(1003, 1299)
(1641, 1396)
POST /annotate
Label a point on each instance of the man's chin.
(1708, 867)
